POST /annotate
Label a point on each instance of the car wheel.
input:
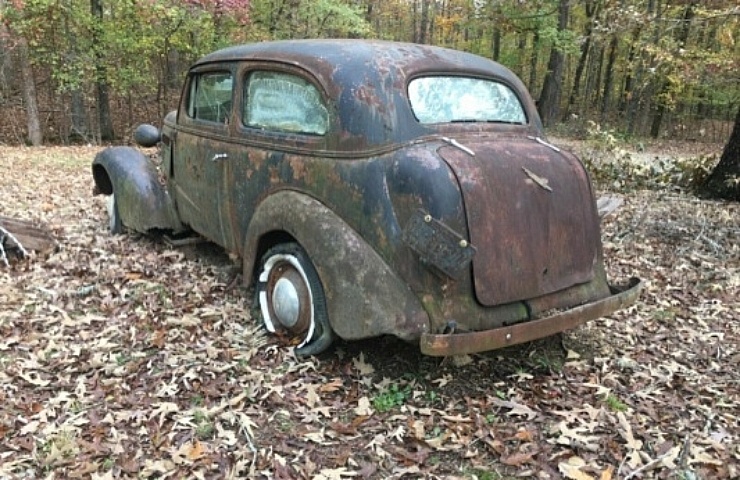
(291, 298)
(115, 224)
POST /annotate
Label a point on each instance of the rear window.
(449, 99)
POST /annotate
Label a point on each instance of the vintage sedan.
(374, 188)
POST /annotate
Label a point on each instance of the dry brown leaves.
(123, 357)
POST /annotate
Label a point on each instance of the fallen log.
(19, 237)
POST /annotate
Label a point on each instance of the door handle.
(220, 156)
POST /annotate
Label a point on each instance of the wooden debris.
(19, 237)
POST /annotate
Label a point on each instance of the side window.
(284, 102)
(210, 97)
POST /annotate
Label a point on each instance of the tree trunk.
(595, 75)
(682, 37)
(496, 44)
(533, 61)
(103, 99)
(79, 117)
(35, 135)
(609, 77)
(424, 22)
(591, 11)
(549, 102)
(626, 97)
(521, 45)
(585, 49)
(724, 181)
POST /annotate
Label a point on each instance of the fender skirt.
(364, 297)
(143, 201)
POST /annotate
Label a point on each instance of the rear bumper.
(471, 342)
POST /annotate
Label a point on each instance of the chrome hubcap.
(285, 303)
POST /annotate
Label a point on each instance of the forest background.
(89, 71)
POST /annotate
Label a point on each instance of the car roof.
(327, 55)
(367, 79)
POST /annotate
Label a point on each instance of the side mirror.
(147, 135)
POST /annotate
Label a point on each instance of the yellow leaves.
(574, 468)
(364, 407)
(312, 396)
(417, 429)
(571, 469)
(364, 369)
(158, 338)
(195, 451)
(157, 468)
(334, 474)
(524, 435)
(189, 452)
(162, 409)
(515, 409)
(726, 35)
(34, 378)
(442, 380)
(30, 427)
(332, 386)
(626, 432)
(88, 468)
(517, 459)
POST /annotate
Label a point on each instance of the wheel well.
(102, 180)
(266, 242)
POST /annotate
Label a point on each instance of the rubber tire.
(115, 225)
(321, 338)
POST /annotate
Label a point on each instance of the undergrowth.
(614, 167)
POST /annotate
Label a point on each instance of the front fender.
(365, 298)
(143, 201)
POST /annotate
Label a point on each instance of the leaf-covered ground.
(124, 357)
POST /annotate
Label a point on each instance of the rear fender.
(143, 201)
(365, 298)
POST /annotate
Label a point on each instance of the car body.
(373, 188)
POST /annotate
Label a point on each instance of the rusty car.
(374, 188)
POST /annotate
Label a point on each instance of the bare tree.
(35, 134)
(101, 80)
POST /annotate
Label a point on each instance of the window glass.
(210, 97)
(442, 99)
(284, 102)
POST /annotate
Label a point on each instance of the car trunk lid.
(531, 216)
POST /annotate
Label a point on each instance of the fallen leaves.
(123, 357)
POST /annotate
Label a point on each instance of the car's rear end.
(534, 263)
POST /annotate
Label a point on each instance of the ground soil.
(126, 357)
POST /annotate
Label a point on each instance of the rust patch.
(531, 240)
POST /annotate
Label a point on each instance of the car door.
(280, 121)
(202, 147)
